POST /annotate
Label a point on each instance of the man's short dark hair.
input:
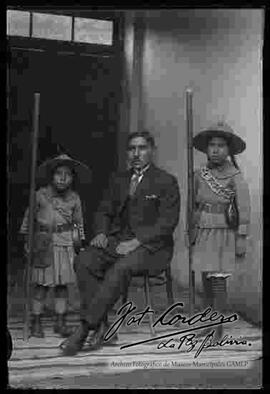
(144, 134)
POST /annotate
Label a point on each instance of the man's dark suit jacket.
(153, 210)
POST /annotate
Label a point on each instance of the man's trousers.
(103, 275)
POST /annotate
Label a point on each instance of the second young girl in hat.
(222, 206)
(58, 217)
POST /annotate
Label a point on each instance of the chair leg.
(193, 287)
(169, 288)
(124, 297)
(148, 302)
(192, 294)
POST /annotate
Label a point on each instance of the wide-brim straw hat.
(82, 171)
(219, 129)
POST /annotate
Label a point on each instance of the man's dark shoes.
(96, 339)
(75, 342)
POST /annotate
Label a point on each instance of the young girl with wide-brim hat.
(58, 216)
(219, 243)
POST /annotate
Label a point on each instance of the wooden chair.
(164, 278)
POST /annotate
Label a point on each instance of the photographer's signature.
(192, 343)
(185, 337)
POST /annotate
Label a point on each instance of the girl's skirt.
(214, 251)
(60, 272)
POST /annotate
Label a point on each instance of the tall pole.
(31, 214)
(190, 194)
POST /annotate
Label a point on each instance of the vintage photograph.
(135, 183)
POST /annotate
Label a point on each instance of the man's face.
(140, 153)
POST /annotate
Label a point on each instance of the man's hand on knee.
(126, 247)
(100, 241)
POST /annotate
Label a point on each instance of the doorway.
(79, 109)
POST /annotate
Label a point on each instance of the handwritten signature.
(212, 318)
(191, 341)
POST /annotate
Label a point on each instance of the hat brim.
(200, 141)
(82, 171)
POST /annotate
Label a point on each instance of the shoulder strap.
(215, 186)
(62, 213)
(59, 210)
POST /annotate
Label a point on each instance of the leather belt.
(59, 228)
(213, 208)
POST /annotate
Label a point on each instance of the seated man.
(134, 232)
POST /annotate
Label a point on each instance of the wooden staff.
(32, 199)
(190, 194)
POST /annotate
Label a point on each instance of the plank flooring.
(38, 359)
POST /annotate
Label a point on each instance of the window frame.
(29, 27)
(72, 47)
(49, 38)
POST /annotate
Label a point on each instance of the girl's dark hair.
(232, 157)
(233, 160)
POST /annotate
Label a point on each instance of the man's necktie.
(134, 183)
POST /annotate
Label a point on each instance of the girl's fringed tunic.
(214, 248)
(57, 213)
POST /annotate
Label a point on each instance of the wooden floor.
(36, 361)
